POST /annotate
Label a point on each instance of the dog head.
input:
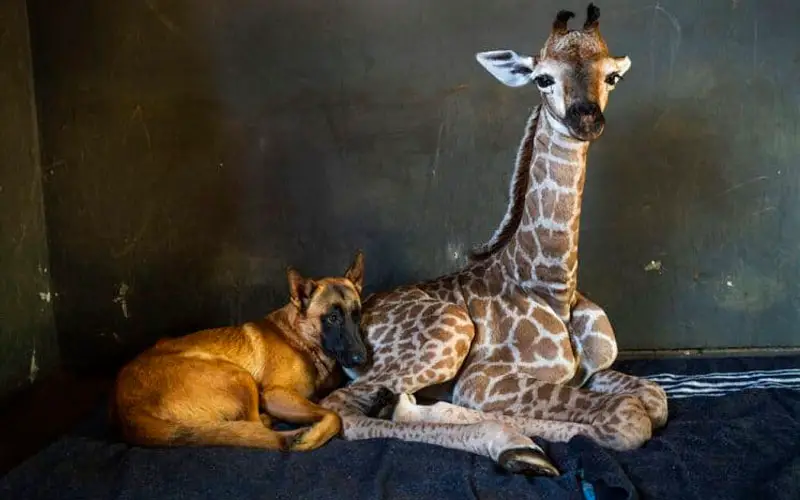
(329, 312)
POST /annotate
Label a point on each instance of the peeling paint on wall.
(122, 299)
(28, 345)
(653, 265)
(34, 370)
(749, 290)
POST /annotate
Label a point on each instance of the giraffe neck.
(542, 254)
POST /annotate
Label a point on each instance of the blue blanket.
(734, 433)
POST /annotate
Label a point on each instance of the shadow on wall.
(302, 180)
(137, 208)
(190, 157)
(658, 183)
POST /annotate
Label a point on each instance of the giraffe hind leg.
(448, 332)
(430, 340)
(508, 447)
(527, 462)
(557, 412)
(524, 461)
(552, 430)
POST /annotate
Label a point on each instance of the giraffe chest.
(519, 328)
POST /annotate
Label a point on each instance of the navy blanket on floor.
(733, 433)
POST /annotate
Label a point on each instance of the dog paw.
(313, 438)
(293, 438)
(298, 441)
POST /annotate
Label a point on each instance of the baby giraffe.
(521, 351)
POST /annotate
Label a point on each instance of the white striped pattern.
(721, 384)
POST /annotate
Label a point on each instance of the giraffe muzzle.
(585, 120)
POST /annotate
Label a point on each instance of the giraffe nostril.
(586, 119)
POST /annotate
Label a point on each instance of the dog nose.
(357, 359)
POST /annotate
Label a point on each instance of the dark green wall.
(195, 148)
(28, 347)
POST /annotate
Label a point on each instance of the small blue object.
(586, 486)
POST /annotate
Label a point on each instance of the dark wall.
(28, 345)
(195, 148)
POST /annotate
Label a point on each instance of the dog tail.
(233, 433)
(151, 431)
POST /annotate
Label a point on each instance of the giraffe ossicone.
(508, 344)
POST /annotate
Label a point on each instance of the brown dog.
(204, 388)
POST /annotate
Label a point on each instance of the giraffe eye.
(613, 78)
(544, 81)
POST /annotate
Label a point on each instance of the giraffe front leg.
(593, 339)
(506, 446)
(596, 345)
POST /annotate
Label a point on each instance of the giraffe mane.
(519, 189)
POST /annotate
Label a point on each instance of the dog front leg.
(292, 407)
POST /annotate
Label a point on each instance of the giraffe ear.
(623, 64)
(507, 66)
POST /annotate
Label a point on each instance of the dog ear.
(300, 289)
(355, 273)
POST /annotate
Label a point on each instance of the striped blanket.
(716, 384)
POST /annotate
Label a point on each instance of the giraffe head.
(574, 73)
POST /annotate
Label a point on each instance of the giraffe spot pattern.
(506, 386)
(428, 334)
(551, 274)
(555, 244)
(564, 208)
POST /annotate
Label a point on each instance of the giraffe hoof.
(528, 462)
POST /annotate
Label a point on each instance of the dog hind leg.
(291, 407)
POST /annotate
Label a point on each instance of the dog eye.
(613, 78)
(334, 318)
(544, 81)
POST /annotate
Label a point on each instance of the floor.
(33, 419)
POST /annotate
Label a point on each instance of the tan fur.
(206, 388)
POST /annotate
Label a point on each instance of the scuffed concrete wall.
(28, 347)
(193, 149)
